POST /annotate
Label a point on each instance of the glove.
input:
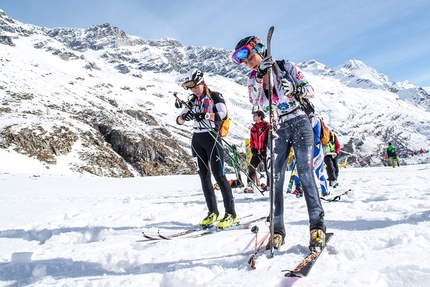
(201, 116)
(300, 91)
(178, 104)
(265, 64)
(254, 151)
(287, 86)
(188, 116)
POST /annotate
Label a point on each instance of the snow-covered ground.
(63, 229)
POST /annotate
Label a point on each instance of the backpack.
(305, 104)
(224, 125)
(325, 133)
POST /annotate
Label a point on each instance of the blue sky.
(392, 36)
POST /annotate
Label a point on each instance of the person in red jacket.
(332, 150)
(258, 145)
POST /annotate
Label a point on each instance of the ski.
(270, 151)
(335, 197)
(233, 227)
(183, 233)
(291, 181)
(149, 237)
(305, 266)
(235, 164)
(172, 236)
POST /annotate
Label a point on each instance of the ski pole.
(253, 259)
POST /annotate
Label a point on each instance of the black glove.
(254, 151)
(178, 104)
(201, 116)
(266, 63)
(300, 91)
(261, 73)
(188, 116)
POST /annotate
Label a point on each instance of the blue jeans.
(298, 134)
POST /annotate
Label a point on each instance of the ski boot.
(317, 240)
(264, 187)
(290, 187)
(249, 188)
(210, 219)
(278, 240)
(228, 221)
(335, 184)
(299, 190)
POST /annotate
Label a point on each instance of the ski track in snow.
(80, 230)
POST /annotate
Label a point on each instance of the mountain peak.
(354, 64)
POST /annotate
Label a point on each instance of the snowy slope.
(71, 230)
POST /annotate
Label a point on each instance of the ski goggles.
(243, 53)
(189, 85)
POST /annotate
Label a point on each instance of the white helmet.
(194, 78)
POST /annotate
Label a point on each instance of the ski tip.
(270, 33)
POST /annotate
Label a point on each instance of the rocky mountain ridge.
(98, 99)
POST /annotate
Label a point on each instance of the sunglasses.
(243, 53)
(189, 85)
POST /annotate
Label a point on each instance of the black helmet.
(194, 78)
(247, 40)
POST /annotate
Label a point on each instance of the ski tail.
(305, 266)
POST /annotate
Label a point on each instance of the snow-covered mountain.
(99, 101)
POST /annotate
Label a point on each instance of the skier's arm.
(306, 90)
(252, 138)
(337, 145)
(220, 108)
(179, 118)
(254, 91)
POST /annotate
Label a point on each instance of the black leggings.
(332, 167)
(208, 155)
(253, 165)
